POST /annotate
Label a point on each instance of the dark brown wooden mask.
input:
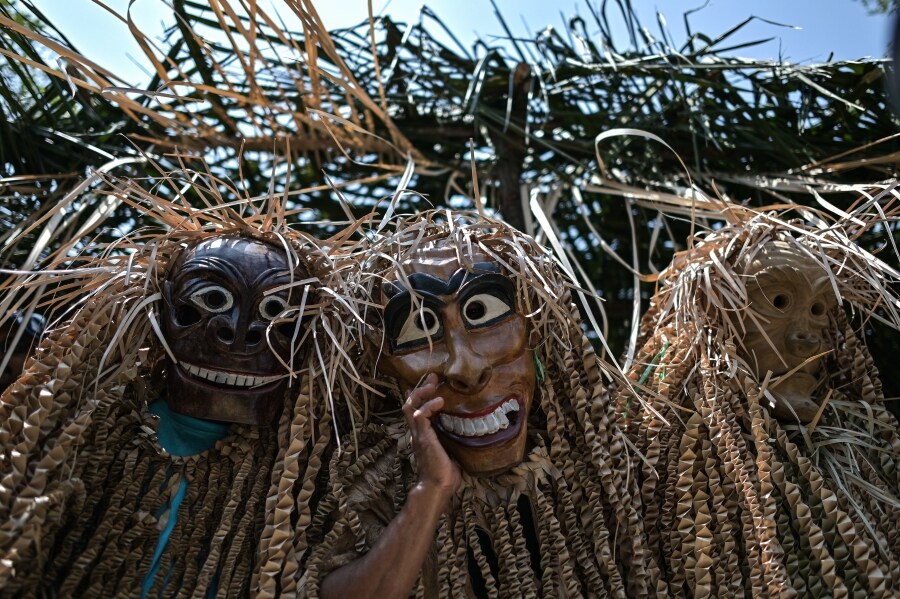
(217, 324)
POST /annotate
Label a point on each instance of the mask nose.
(229, 333)
(466, 371)
(804, 342)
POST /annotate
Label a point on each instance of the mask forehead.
(440, 258)
(783, 282)
(243, 259)
(779, 260)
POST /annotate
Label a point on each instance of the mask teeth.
(482, 425)
(228, 378)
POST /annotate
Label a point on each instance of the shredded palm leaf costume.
(562, 523)
(87, 492)
(736, 502)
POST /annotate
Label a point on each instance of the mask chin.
(491, 460)
(192, 396)
(794, 398)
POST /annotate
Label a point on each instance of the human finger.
(423, 415)
(419, 395)
(419, 421)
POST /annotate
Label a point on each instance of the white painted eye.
(271, 306)
(419, 325)
(484, 308)
(213, 298)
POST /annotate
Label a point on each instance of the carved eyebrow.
(486, 267)
(271, 275)
(428, 284)
(222, 267)
(213, 264)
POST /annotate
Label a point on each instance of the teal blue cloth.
(181, 436)
(164, 539)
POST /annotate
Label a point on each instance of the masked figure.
(167, 439)
(769, 459)
(481, 316)
(220, 299)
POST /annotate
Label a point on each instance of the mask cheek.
(280, 346)
(175, 327)
(411, 367)
(502, 342)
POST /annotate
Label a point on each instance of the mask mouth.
(228, 380)
(794, 399)
(495, 424)
(798, 384)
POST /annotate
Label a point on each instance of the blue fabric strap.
(180, 436)
(164, 539)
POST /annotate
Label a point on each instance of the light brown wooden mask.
(790, 298)
(219, 307)
(466, 329)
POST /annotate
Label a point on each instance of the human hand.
(437, 472)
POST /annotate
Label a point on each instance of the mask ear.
(387, 367)
(167, 304)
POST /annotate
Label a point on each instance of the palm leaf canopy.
(565, 124)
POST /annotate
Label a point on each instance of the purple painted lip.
(516, 421)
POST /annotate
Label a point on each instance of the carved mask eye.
(213, 298)
(818, 308)
(419, 326)
(484, 309)
(782, 301)
(270, 307)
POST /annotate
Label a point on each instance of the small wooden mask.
(465, 327)
(217, 324)
(790, 298)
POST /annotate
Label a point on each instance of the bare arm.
(389, 570)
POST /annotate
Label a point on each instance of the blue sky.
(819, 27)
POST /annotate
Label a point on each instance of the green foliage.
(756, 131)
(881, 6)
